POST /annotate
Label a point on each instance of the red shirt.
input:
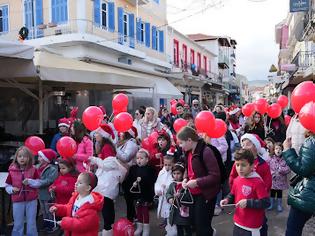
(191, 175)
(249, 188)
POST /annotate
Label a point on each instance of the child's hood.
(97, 204)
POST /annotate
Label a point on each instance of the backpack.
(217, 154)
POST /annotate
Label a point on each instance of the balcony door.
(33, 17)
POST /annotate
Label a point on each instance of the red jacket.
(261, 167)
(64, 187)
(85, 222)
(15, 178)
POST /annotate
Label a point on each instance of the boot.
(272, 202)
(107, 232)
(146, 230)
(279, 205)
(139, 229)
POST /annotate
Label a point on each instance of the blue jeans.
(20, 210)
(296, 222)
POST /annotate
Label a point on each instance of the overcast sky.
(251, 24)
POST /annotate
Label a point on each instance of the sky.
(250, 22)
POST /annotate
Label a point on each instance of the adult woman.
(276, 129)
(301, 197)
(255, 125)
(85, 144)
(152, 123)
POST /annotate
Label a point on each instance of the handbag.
(186, 198)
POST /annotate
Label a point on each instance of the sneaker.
(217, 210)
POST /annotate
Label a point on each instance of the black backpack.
(217, 154)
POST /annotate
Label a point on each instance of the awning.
(166, 88)
(56, 68)
(15, 50)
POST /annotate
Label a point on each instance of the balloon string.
(111, 117)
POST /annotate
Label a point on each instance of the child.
(279, 172)
(110, 173)
(173, 195)
(140, 181)
(63, 186)
(81, 215)
(270, 144)
(24, 197)
(161, 147)
(161, 185)
(104, 146)
(48, 173)
(250, 195)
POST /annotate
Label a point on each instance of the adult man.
(195, 108)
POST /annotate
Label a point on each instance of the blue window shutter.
(138, 29)
(39, 12)
(147, 34)
(97, 12)
(154, 37)
(120, 25)
(53, 11)
(65, 11)
(132, 30)
(161, 41)
(5, 19)
(111, 16)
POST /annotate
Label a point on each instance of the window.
(155, 38)
(205, 63)
(142, 32)
(176, 53)
(59, 10)
(104, 14)
(198, 61)
(33, 16)
(184, 54)
(125, 27)
(192, 56)
(4, 19)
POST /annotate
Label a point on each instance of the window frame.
(1, 20)
(185, 54)
(142, 32)
(101, 14)
(51, 14)
(126, 23)
(176, 52)
(198, 60)
(2, 28)
(192, 56)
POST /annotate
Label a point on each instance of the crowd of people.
(191, 176)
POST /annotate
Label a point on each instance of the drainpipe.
(40, 105)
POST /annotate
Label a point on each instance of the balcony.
(223, 60)
(304, 60)
(139, 2)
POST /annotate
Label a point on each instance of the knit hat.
(105, 131)
(255, 139)
(47, 154)
(162, 134)
(133, 132)
(64, 122)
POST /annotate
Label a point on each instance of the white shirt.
(80, 202)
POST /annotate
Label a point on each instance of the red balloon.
(302, 94)
(248, 109)
(146, 144)
(204, 121)
(274, 110)
(179, 123)
(287, 120)
(173, 109)
(283, 101)
(261, 105)
(66, 147)
(181, 101)
(123, 122)
(120, 102)
(173, 101)
(123, 227)
(116, 112)
(35, 144)
(307, 116)
(153, 137)
(219, 129)
(92, 117)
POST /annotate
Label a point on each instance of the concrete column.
(81, 16)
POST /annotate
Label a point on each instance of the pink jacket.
(85, 150)
(15, 178)
(279, 171)
(222, 145)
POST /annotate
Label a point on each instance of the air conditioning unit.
(125, 60)
(58, 32)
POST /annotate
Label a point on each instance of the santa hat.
(105, 131)
(171, 151)
(162, 134)
(233, 110)
(133, 132)
(47, 154)
(64, 122)
(256, 140)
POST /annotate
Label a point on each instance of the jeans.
(20, 210)
(202, 213)
(296, 222)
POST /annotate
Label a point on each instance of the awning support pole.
(40, 105)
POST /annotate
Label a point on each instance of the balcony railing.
(303, 60)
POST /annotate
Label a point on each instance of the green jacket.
(302, 195)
